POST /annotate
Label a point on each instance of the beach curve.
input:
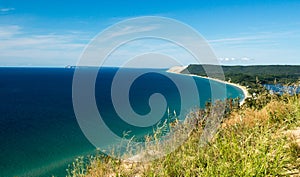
(179, 69)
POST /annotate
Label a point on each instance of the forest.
(247, 75)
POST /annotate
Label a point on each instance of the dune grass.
(250, 142)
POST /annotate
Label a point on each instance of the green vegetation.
(245, 75)
(250, 142)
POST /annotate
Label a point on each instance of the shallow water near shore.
(40, 135)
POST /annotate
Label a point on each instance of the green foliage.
(251, 142)
(247, 75)
(235, 151)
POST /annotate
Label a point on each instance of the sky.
(243, 32)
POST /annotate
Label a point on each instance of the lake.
(40, 135)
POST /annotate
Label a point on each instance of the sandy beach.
(179, 69)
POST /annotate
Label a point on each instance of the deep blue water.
(39, 132)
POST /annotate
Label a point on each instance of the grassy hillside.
(252, 141)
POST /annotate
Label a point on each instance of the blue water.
(281, 89)
(39, 132)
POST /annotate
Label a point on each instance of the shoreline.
(179, 69)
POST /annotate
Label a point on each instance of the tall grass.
(250, 142)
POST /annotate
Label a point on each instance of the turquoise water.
(40, 135)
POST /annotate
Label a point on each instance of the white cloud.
(235, 60)
(6, 9)
(236, 39)
(246, 59)
(155, 47)
(227, 59)
(128, 30)
(258, 48)
(9, 31)
(44, 49)
(259, 38)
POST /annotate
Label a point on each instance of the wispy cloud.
(235, 60)
(39, 48)
(262, 47)
(127, 30)
(236, 39)
(262, 37)
(9, 31)
(141, 48)
(4, 11)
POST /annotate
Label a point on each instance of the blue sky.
(54, 33)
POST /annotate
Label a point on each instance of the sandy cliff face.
(177, 69)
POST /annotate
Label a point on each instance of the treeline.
(247, 75)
